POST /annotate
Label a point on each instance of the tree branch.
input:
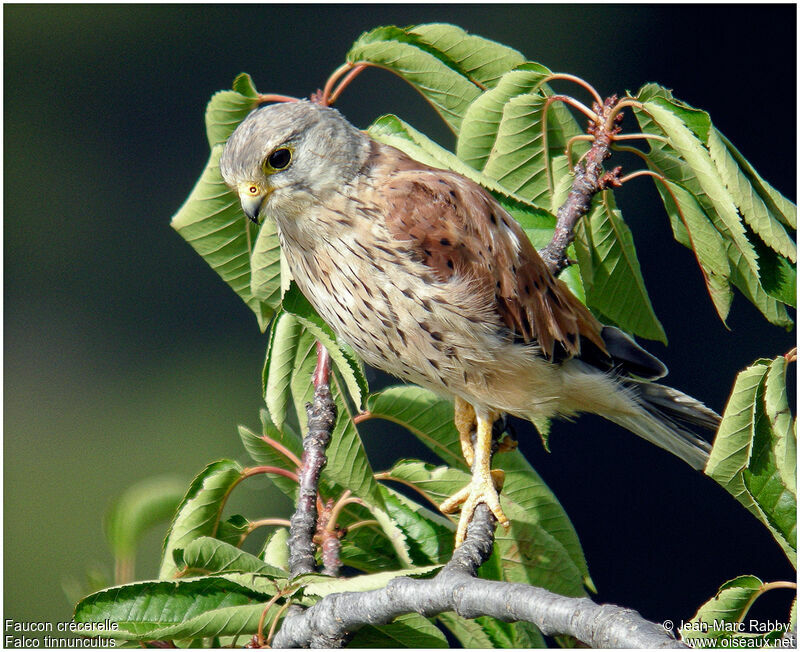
(333, 620)
(589, 180)
(321, 419)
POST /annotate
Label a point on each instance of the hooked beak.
(251, 205)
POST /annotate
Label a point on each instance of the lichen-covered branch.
(589, 180)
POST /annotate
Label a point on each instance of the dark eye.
(280, 158)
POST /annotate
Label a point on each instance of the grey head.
(284, 156)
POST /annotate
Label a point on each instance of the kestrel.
(428, 278)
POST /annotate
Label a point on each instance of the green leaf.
(282, 359)
(681, 138)
(723, 617)
(265, 266)
(212, 222)
(750, 204)
(344, 359)
(693, 229)
(276, 549)
(265, 455)
(320, 586)
(144, 504)
(291, 358)
(525, 488)
(751, 286)
(480, 60)
(428, 416)
(780, 419)
(428, 535)
(610, 270)
(529, 553)
(779, 207)
(468, 631)
(662, 161)
(518, 160)
(200, 511)
(777, 275)
(391, 130)
(483, 117)
(744, 457)
(430, 71)
(406, 631)
(190, 608)
(228, 108)
(215, 556)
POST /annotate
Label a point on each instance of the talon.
(476, 492)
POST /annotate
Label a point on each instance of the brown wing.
(455, 227)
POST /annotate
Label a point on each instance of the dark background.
(125, 355)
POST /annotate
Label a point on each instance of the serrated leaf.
(279, 366)
(212, 222)
(276, 549)
(190, 608)
(142, 505)
(529, 553)
(431, 72)
(391, 130)
(477, 58)
(723, 616)
(468, 632)
(755, 212)
(232, 530)
(681, 138)
(518, 160)
(610, 270)
(406, 631)
(199, 511)
(228, 108)
(750, 286)
(743, 459)
(320, 586)
(291, 358)
(663, 160)
(428, 416)
(243, 84)
(428, 535)
(780, 418)
(265, 266)
(777, 276)
(779, 206)
(483, 117)
(265, 455)
(215, 556)
(343, 357)
(526, 488)
(693, 229)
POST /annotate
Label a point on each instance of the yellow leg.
(484, 485)
(465, 424)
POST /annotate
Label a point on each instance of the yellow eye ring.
(278, 160)
(253, 190)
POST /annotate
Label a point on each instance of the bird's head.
(285, 156)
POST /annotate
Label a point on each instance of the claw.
(485, 483)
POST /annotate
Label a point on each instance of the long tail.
(667, 419)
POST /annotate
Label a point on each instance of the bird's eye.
(280, 158)
(252, 190)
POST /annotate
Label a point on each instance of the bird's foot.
(480, 490)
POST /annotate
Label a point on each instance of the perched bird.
(428, 278)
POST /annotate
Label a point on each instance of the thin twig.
(589, 180)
